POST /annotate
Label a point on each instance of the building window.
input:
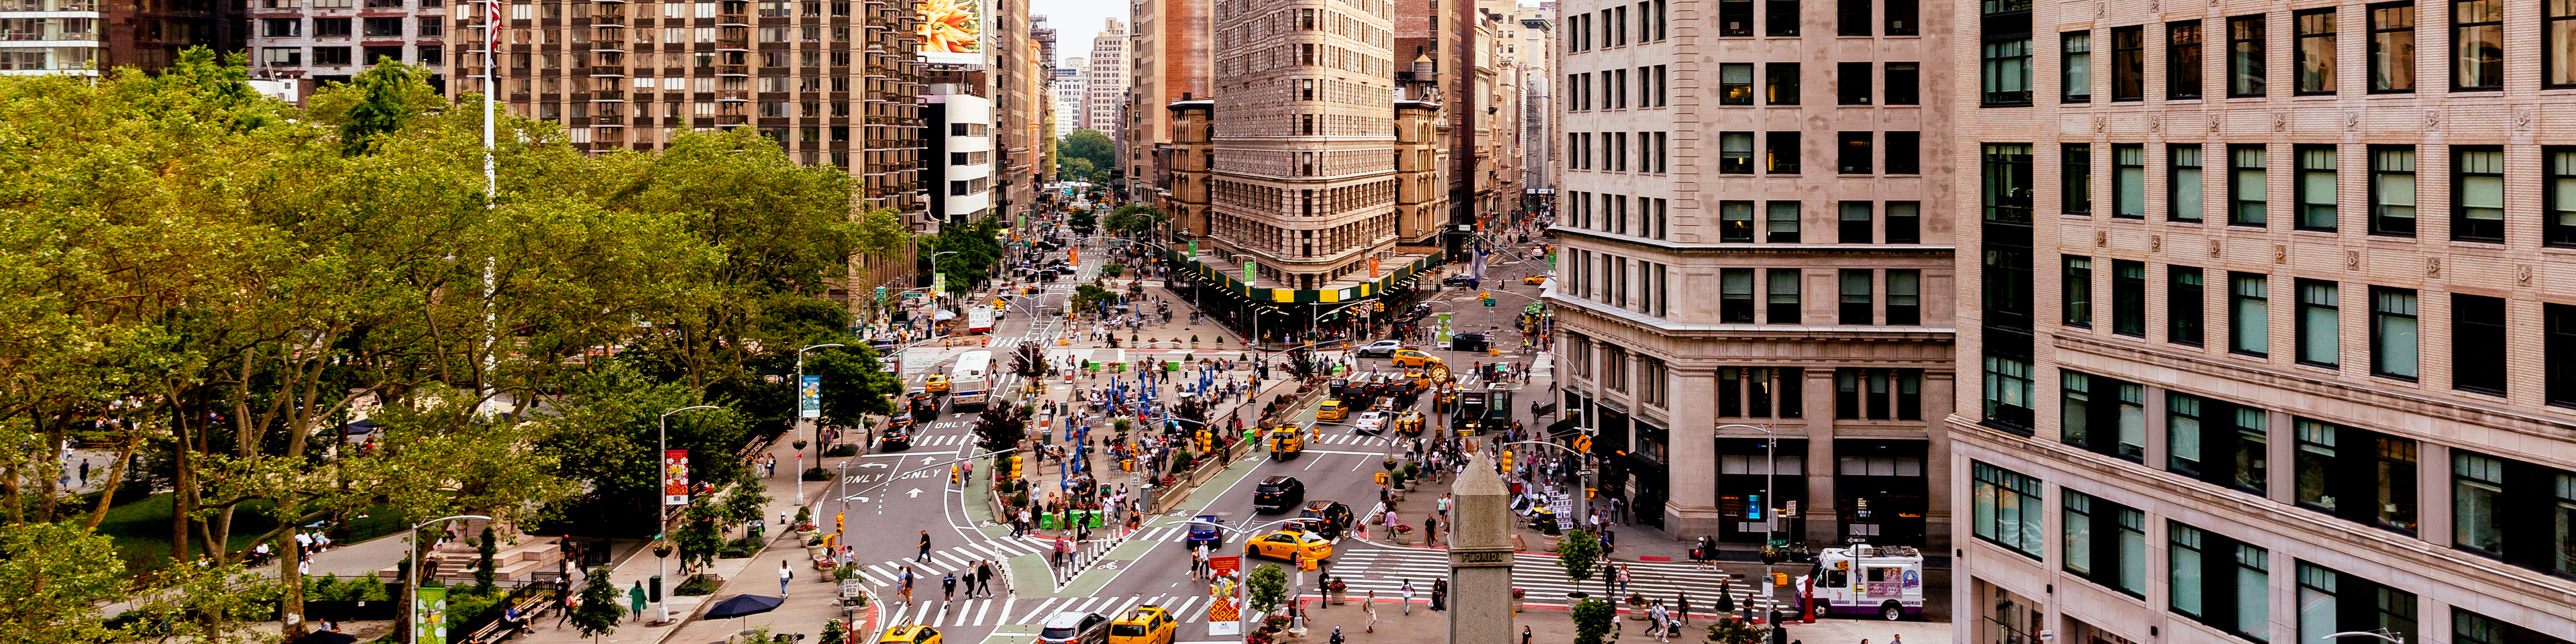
(2075, 291)
(1851, 17)
(1780, 18)
(2129, 297)
(281, 27)
(2105, 542)
(2483, 487)
(2007, 183)
(2477, 45)
(2333, 602)
(2392, 47)
(2359, 475)
(2102, 415)
(2558, 43)
(2183, 199)
(1780, 298)
(281, 56)
(1735, 153)
(2249, 314)
(2075, 178)
(2182, 305)
(1904, 296)
(2128, 181)
(1851, 152)
(381, 27)
(330, 55)
(2319, 335)
(1780, 80)
(2128, 63)
(1878, 394)
(1904, 153)
(2473, 628)
(2478, 344)
(2075, 76)
(1735, 84)
(2392, 190)
(2245, 191)
(1780, 152)
(1855, 222)
(2245, 70)
(2006, 70)
(1904, 83)
(1760, 392)
(1735, 18)
(2558, 224)
(2316, 51)
(1904, 222)
(2008, 512)
(2316, 187)
(2007, 287)
(2393, 346)
(1901, 18)
(2219, 443)
(2558, 328)
(1858, 304)
(1735, 295)
(1735, 222)
(2008, 392)
(2218, 581)
(2182, 60)
(2477, 193)
(331, 27)
(1851, 83)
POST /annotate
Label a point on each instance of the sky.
(1076, 22)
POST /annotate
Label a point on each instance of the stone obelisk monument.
(1480, 557)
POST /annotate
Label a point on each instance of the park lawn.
(141, 530)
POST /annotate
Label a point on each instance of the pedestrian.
(1439, 591)
(565, 602)
(1370, 608)
(1408, 597)
(1657, 615)
(1681, 607)
(903, 592)
(1431, 531)
(784, 575)
(1623, 578)
(635, 599)
(948, 587)
(925, 547)
(1337, 636)
(984, 577)
(1525, 635)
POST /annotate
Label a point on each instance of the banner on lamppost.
(675, 477)
(809, 398)
(1372, 268)
(1247, 273)
(938, 282)
(429, 616)
(1194, 249)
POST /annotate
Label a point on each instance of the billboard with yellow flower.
(952, 31)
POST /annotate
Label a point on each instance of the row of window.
(2478, 210)
(1611, 26)
(1654, 151)
(342, 4)
(1856, 300)
(1634, 284)
(339, 27)
(1854, 153)
(430, 55)
(1780, 84)
(2476, 57)
(1653, 85)
(1854, 223)
(1735, 18)
(2223, 582)
(1609, 213)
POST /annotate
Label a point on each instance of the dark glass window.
(2183, 305)
(1904, 82)
(1780, 223)
(2395, 351)
(2359, 475)
(2075, 178)
(1780, 298)
(2392, 190)
(2105, 543)
(2128, 63)
(2129, 297)
(2245, 69)
(2392, 47)
(2075, 291)
(2217, 442)
(2075, 56)
(2007, 183)
(1780, 18)
(2006, 70)
(2477, 193)
(1780, 153)
(2102, 415)
(1904, 222)
(1735, 153)
(1851, 83)
(2320, 323)
(1904, 152)
(1735, 84)
(2316, 51)
(1901, 17)
(1855, 223)
(2316, 187)
(1735, 295)
(1735, 18)
(2478, 343)
(1904, 296)
(1851, 17)
(1735, 222)
(1852, 154)
(1781, 79)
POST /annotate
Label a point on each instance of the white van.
(1864, 580)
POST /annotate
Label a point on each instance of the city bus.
(971, 380)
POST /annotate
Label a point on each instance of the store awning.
(1214, 275)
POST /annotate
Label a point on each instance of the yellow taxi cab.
(1331, 409)
(937, 384)
(1534, 279)
(1281, 544)
(914, 634)
(1409, 422)
(1144, 625)
(1285, 443)
(1414, 358)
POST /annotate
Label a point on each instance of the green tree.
(602, 607)
(855, 383)
(1580, 555)
(376, 102)
(747, 500)
(1731, 630)
(484, 549)
(1075, 168)
(977, 249)
(1091, 146)
(1131, 220)
(1265, 589)
(53, 577)
(1592, 620)
(1001, 427)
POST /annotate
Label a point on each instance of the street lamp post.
(1255, 308)
(411, 566)
(1770, 495)
(662, 508)
(804, 429)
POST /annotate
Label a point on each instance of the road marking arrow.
(915, 493)
(876, 465)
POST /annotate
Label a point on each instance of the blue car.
(1204, 534)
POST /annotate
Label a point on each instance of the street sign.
(881, 295)
(1582, 443)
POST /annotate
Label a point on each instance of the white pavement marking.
(980, 611)
(1193, 616)
(1032, 617)
(1006, 612)
(943, 615)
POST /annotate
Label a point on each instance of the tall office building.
(1535, 44)
(325, 41)
(2291, 353)
(1072, 91)
(1169, 61)
(833, 82)
(1747, 255)
(86, 37)
(1106, 72)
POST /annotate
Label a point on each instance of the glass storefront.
(1880, 491)
(1745, 496)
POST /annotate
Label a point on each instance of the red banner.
(1225, 564)
(675, 477)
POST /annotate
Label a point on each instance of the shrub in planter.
(817, 474)
(840, 451)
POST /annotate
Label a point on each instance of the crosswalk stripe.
(1007, 604)
(935, 621)
(990, 548)
(1122, 608)
(980, 611)
(887, 573)
(1193, 616)
(1032, 617)
(871, 579)
(963, 562)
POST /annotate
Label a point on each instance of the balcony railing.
(607, 96)
(733, 95)
(733, 70)
(607, 21)
(736, 44)
(601, 71)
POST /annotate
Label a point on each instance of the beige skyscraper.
(2269, 311)
(1107, 75)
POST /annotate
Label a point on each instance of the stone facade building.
(2269, 312)
(1750, 205)
(322, 41)
(1169, 61)
(1106, 74)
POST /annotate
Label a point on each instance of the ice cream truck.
(1864, 580)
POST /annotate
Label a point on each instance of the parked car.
(1071, 627)
(1277, 494)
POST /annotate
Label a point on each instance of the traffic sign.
(1582, 443)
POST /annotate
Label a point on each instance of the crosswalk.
(959, 559)
(941, 441)
(1544, 366)
(932, 611)
(1354, 440)
(1386, 570)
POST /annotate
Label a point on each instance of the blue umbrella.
(741, 605)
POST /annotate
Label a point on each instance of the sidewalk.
(1550, 625)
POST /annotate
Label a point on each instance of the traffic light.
(1381, 307)
(1015, 466)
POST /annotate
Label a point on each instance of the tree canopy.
(1088, 153)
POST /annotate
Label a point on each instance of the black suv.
(1329, 518)
(1278, 494)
